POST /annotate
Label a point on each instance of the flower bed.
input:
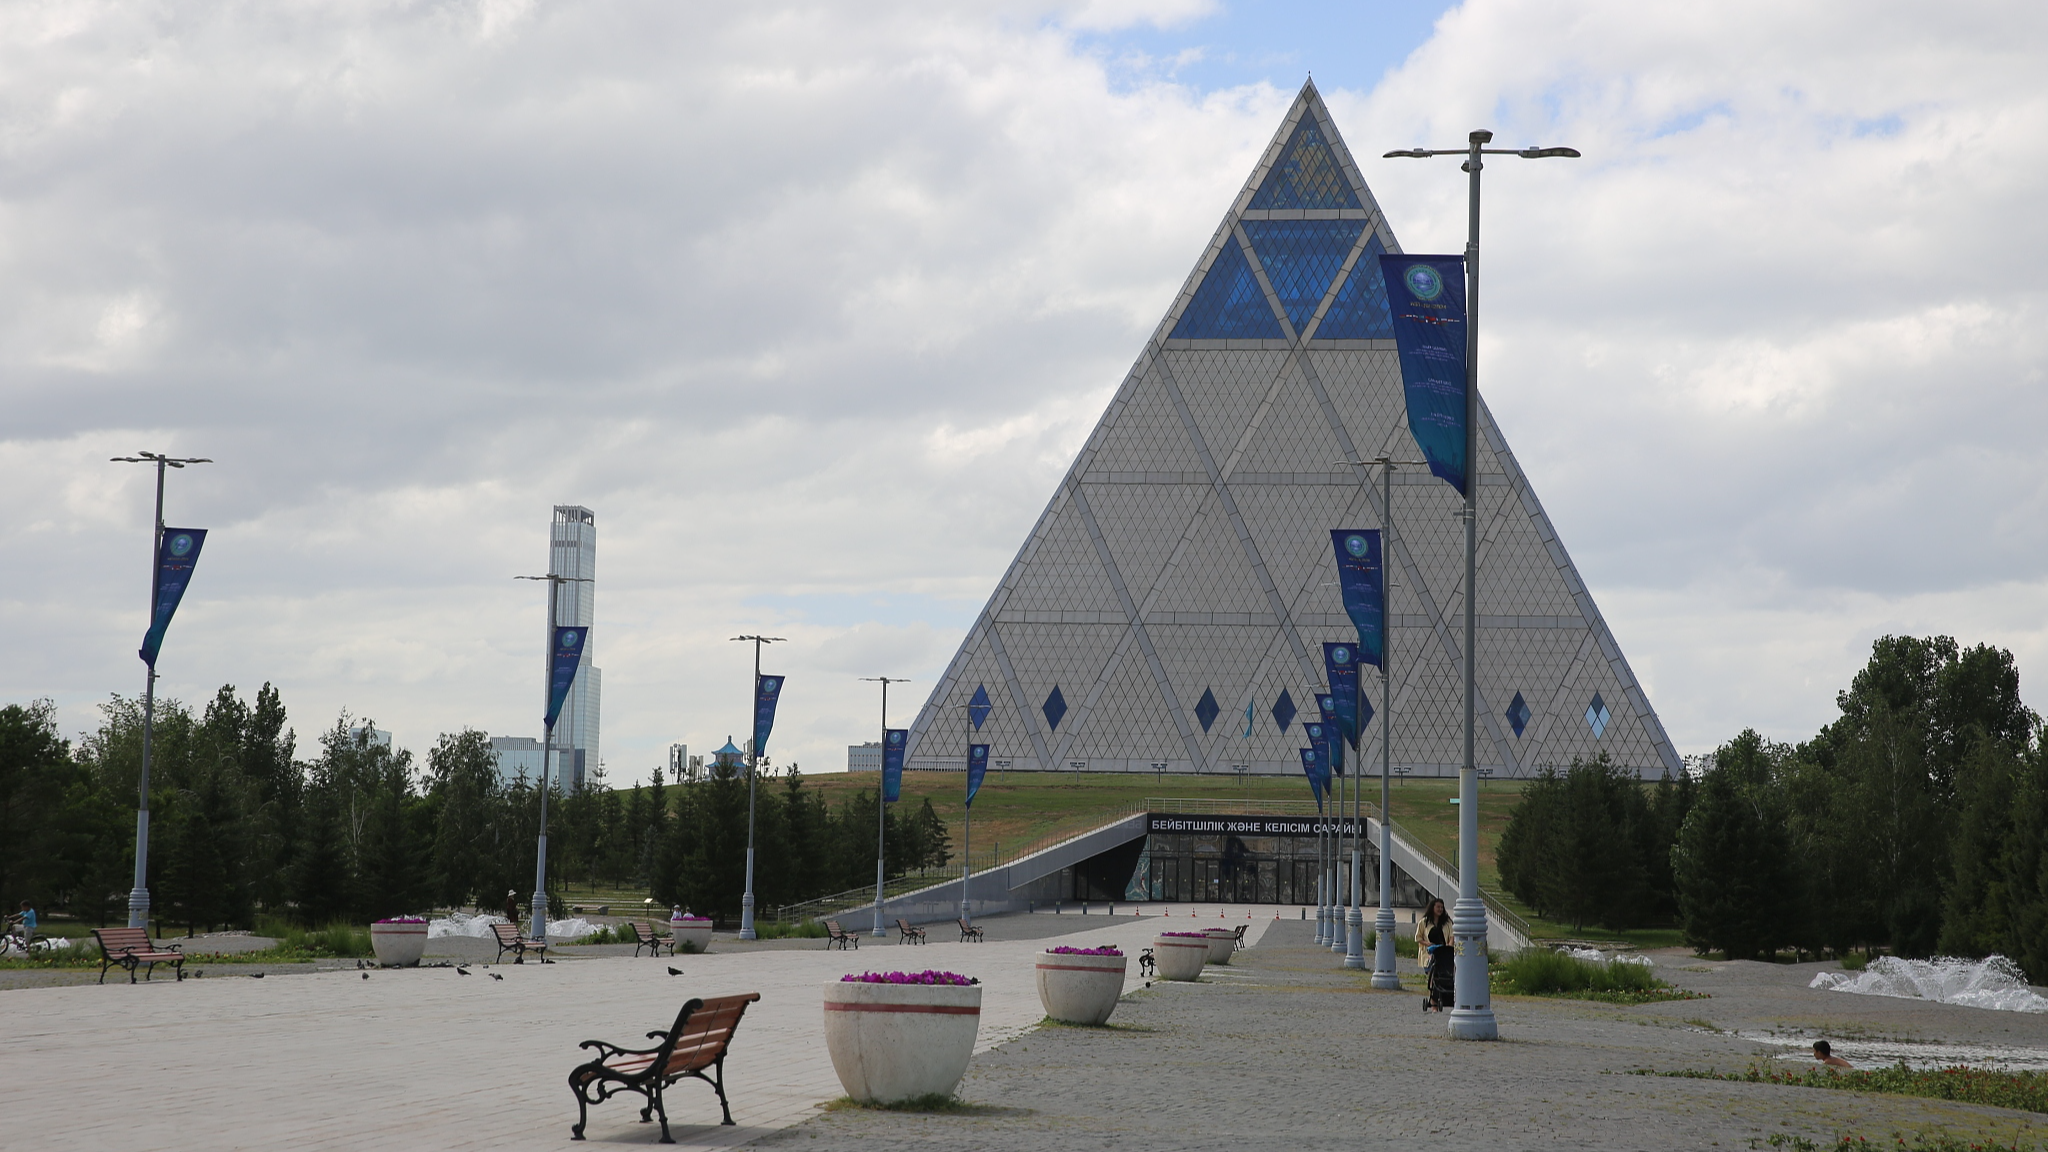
(1180, 955)
(1068, 950)
(399, 941)
(928, 976)
(1196, 935)
(1080, 985)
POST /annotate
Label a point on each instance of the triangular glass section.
(1308, 175)
(979, 707)
(1301, 257)
(1283, 710)
(1360, 310)
(1597, 716)
(1229, 305)
(1207, 709)
(1055, 708)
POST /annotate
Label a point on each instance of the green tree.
(1732, 863)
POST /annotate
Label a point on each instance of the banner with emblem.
(1426, 295)
(1320, 738)
(1340, 664)
(176, 554)
(1326, 705)
(767, 690)
(893, 743)
(1362, 581)
(1311, 767)
(977, 767)
(565, 655)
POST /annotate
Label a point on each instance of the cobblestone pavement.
(425, 1058)
(1287, 1051)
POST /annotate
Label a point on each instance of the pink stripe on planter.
(1075, 968)
(942, 1009)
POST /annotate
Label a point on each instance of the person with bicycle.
(21, 927)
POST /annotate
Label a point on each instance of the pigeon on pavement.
(675, 971)
(495, 976)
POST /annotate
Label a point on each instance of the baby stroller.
(1443, 978)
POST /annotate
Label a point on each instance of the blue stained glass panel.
(1283, 710)
(1207, 709)
(1518, 714)
(1307, 175)
(980, 706)
(1360, 310)
(1597, 716)
(1301, 257)
(1229, 304)
(1055, 708)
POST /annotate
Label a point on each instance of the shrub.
(1541, 972)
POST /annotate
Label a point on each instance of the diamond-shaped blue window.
(1229, 304)
(1360, 310)
(1301, 257)
(1307, 175)
(1284, 710)
(1206, 709)
(979, 707)
(1597, 716)
(1518, 714)
(1055, 708)
(1364, 713)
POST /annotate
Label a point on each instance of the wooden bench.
(645, 936)
(509, 940)
(131, 948)
(969, 932)
(913, 934)
(697, 1041)
(834, 934)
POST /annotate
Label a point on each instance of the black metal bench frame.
(834, 934)
(909, 932)
(597, 1081)
(131, 958)
(969, 932)
(644, 937)
(518, 945)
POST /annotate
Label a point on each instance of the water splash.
(1596, 956)
(1994, 982)
(479, 927)
(1866, 1053)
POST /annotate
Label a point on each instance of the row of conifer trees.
(242, 826)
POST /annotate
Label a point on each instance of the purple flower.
(928, 976)
(1198, 935)
(1105, 950)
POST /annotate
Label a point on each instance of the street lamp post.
(1384, 974)
(753, 766)
(138, 896)
(547, 746)
(1472, 1018)
(881, 801)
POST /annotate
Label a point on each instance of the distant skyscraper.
(572, 551)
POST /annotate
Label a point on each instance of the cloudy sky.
(813, 305)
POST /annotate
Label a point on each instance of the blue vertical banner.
(1340, 664)
(176, 554)
(1426, 295)
(1326, 704)
(565, 655)
(1320, 738)
(767, 690)
(977, 767)
(893, 743)
(1311, 767)
(1362, 580)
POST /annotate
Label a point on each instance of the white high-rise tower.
(572, 551)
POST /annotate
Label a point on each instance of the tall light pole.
(547, 745)
(881, 801)
(1472, 1018)
(138, 896)
(1384, 974)
(753, 767)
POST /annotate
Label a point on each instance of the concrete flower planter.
(1222, 942)
(892, 1042)
(1180, 957)
(398, 943)
(1080, 989)
(692, 932)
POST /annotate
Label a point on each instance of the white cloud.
(814, 306)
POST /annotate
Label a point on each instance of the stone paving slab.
(426, 1058)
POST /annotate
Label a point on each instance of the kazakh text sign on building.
(1166, 822)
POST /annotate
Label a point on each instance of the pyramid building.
(1168, 609)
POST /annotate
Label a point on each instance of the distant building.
(864, 757)
(517, 756)
(729, 756)
(572, 551)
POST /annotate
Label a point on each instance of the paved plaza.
(1283, 1049)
